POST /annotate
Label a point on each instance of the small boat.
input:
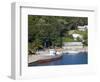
(46, 58)
(51, 56)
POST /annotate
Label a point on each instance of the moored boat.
(44, 58)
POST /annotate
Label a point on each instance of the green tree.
(54, 28)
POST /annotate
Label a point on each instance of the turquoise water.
(67, 59)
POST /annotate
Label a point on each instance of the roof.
(85, 26)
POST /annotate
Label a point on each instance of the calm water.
(67, 59)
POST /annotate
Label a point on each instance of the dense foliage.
(49, 31)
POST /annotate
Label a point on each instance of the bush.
(68, 39)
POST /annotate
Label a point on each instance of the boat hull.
(47, 59)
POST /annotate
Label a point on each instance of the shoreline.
(34, 58)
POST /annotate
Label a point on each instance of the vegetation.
(85, 36)
(51, 31)
(68, 39)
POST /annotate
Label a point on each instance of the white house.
(82, 28)
(75, 36)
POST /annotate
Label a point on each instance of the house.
(82, 28)
(75, 36)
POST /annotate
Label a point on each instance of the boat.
(42, 58)
(46, 58)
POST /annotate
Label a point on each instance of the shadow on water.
(66, 59)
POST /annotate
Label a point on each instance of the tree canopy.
(51, 29)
